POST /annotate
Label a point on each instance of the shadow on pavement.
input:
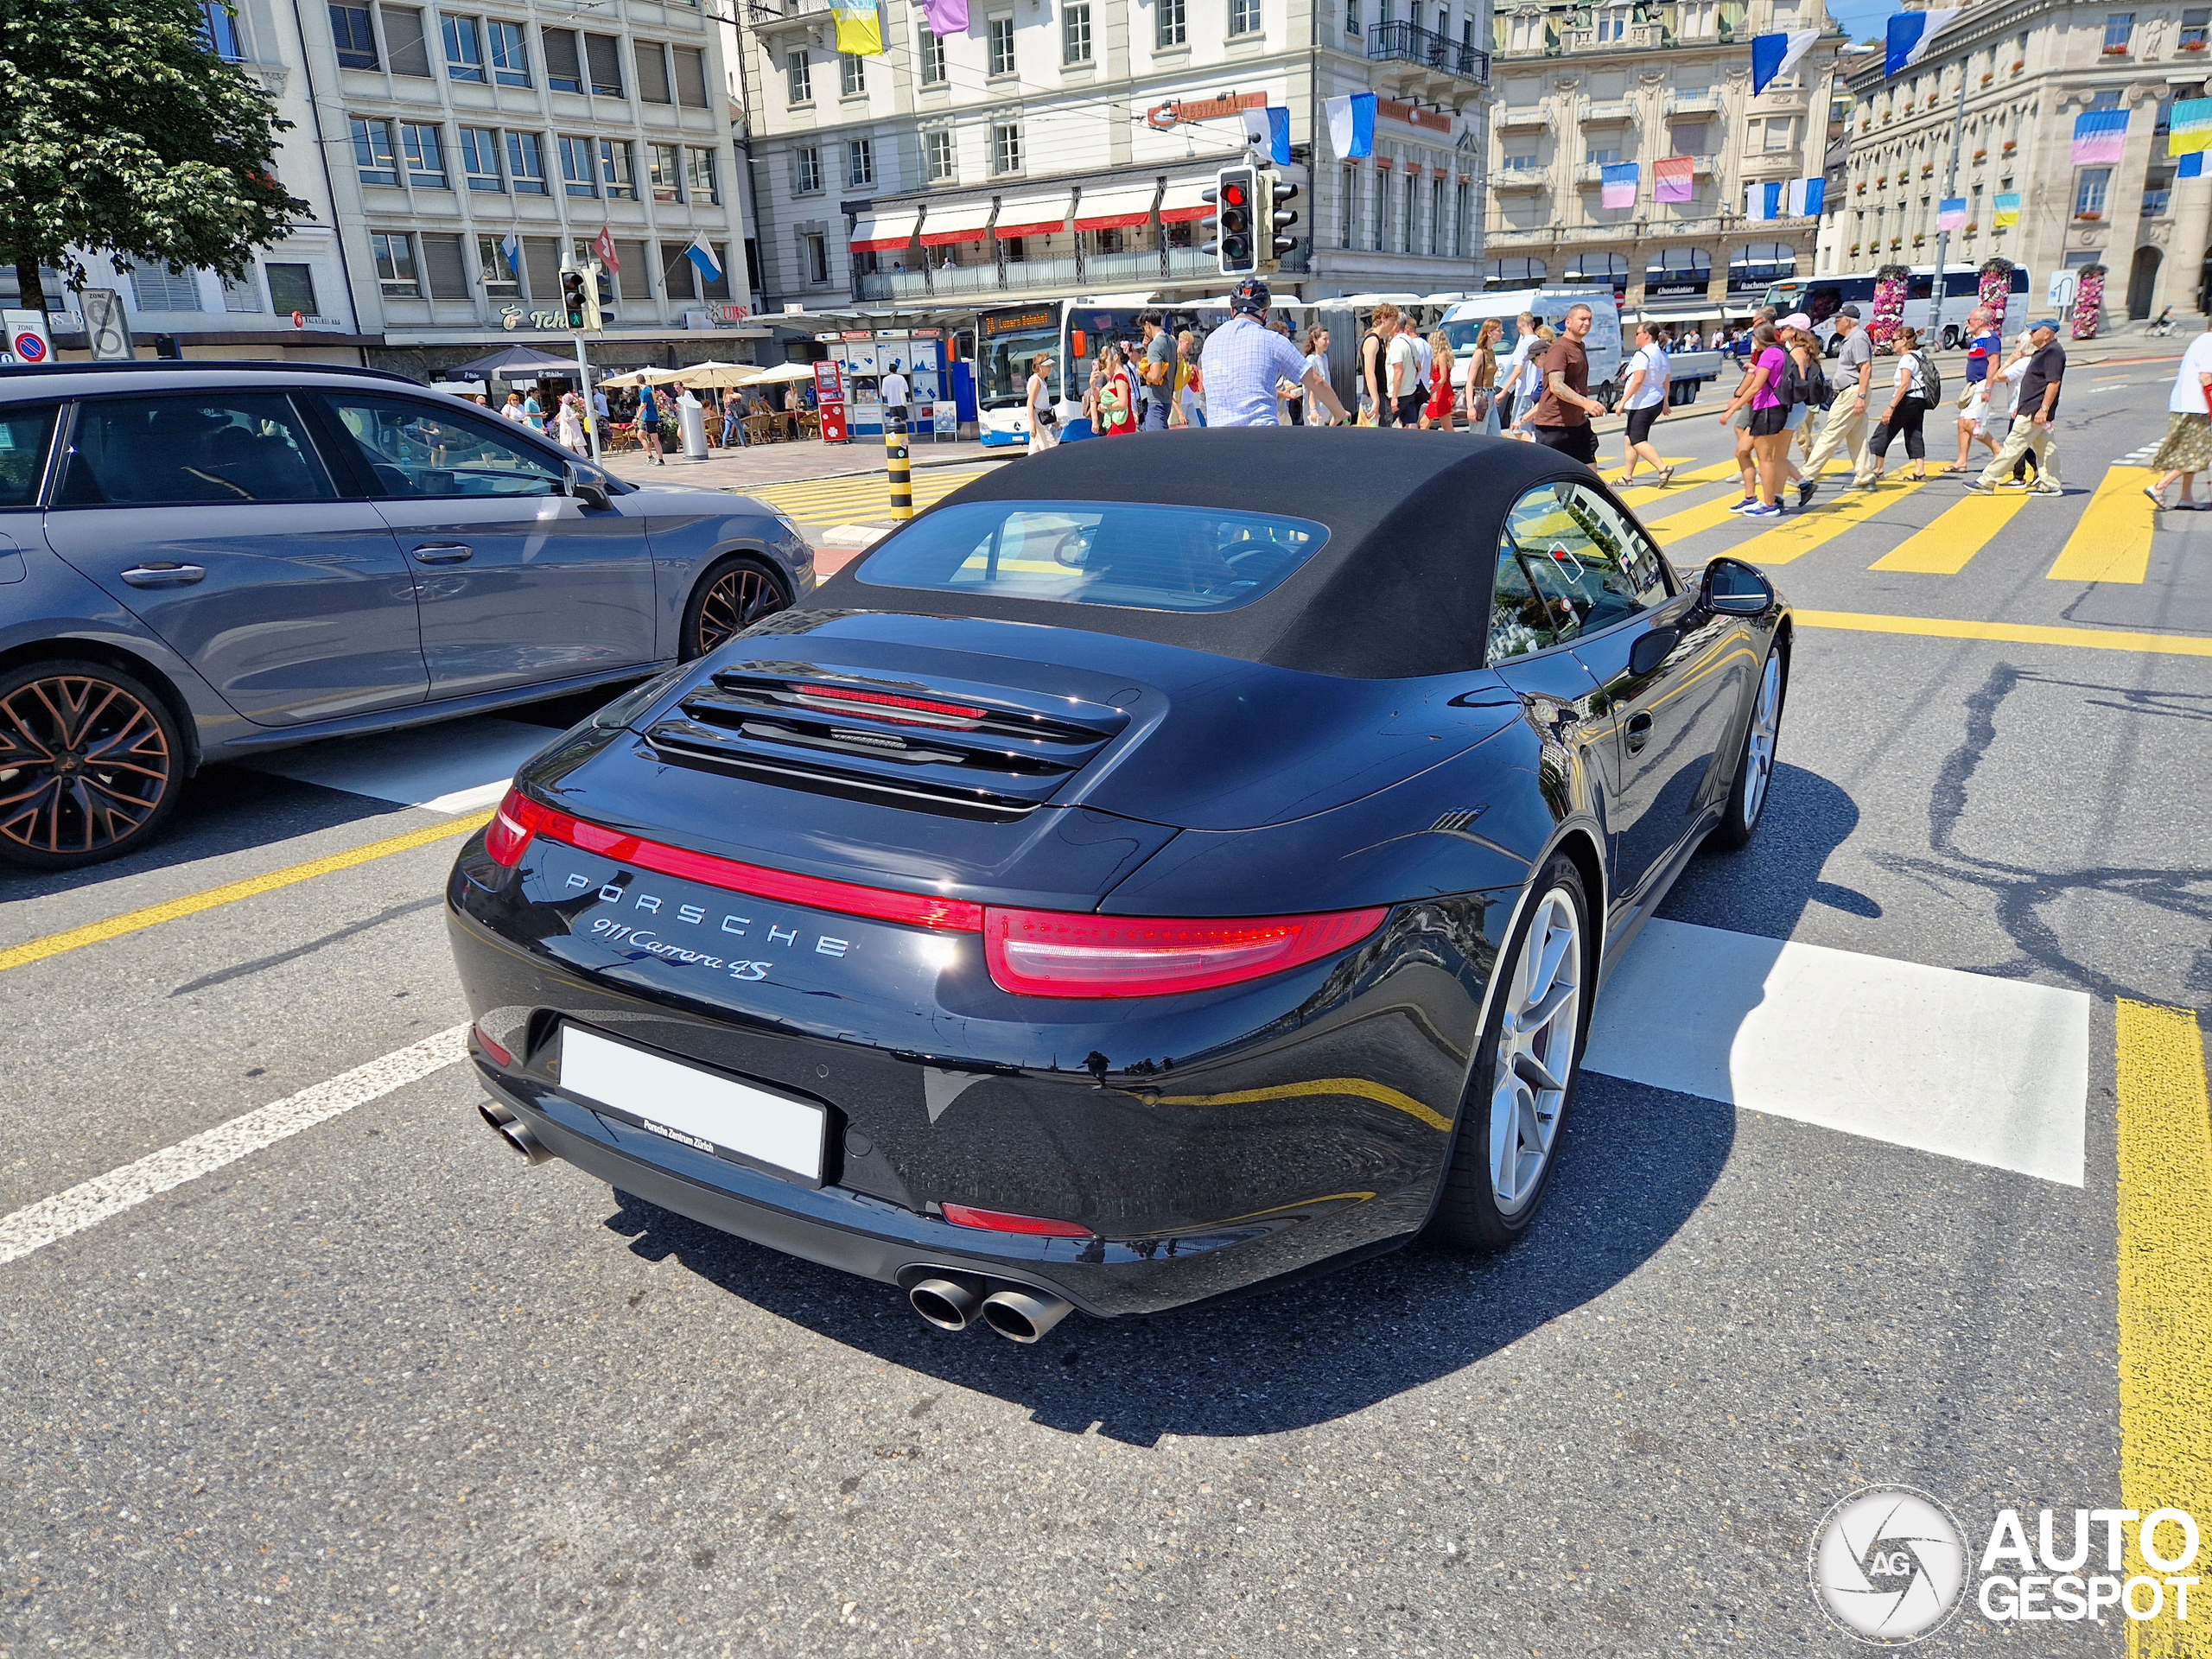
(1636, 1164)
(1764, 888)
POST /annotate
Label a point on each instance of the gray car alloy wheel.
(1536, 1042)
(737, 599)
(85, 765)
(1758, 745)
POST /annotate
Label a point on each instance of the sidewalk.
(741, 470)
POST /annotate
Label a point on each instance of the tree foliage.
(121, 133)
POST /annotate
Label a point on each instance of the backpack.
(1800, 385)
(1931, 383)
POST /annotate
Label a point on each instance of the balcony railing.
(1405, 42)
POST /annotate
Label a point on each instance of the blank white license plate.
(691, 1106)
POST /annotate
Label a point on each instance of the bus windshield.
(1006, 341)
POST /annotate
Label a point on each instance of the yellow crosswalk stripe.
(2021, 634)
(2112, 540)
(1960, 531)
(1637, 495)
(2166, 1288)
(1677, 525)
(1800, 533)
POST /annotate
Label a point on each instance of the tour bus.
(1821, 297)
(1009, 337)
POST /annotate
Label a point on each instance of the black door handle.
(444, 553)
(1639, 731)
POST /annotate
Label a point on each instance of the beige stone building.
(1577, 86)
(2030, 68)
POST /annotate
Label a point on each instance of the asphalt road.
(379, 1384)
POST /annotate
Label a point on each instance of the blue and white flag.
(1775, 55)
(704, 257)
(1911, 33)
(2192, 166)
(1805, 198)
(511, 249)
(1763, 201)
(1351, 125)
(1269, 129)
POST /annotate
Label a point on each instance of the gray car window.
(216, 449)
(22, 453)
(417, 451)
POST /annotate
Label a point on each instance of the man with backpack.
(1844, 430)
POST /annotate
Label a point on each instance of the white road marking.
(90, 1203)
(450, 768)
(1990, 1070)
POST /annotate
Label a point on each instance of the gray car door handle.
(164, 575)
(444, 553)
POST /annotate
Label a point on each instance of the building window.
(2090, 189)
(244, 296)
(1348, 203)
(372, 151)
(814, 250)
(1171, 27)
(664, 175)
(937, 156)
(1405, 224)
(1603, 155)
(1075, 33)
(860, 160)
(2195, 24)
(691, 78)
(852, 75)
(464, 48)
(808, 180)
(1436, 215)
(404, 50)
(653, 86)
(526, 163)
(1006, 147)
(291, 288)
(510, 54)
(1244, 17)
(220, 31)
(603, 57)
(1351, 16)
(153, 289)
(614, 175)
(578, 176)
(354, 35)
(480, 158)
(1465, 210)
(499, 278)
(564, 70)
(699, 176)
(1382, 210)
(929, 51)
(798, 79)
(394, 253)
(1000, 31)
(2118, 25)
(425, 151)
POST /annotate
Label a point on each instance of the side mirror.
(1731, 588)
(588, 487)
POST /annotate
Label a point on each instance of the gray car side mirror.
(586, 487)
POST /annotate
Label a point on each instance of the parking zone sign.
(28, 342)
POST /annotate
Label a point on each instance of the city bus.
(1821, 297)
(1007, 338)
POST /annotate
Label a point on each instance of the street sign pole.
(584, 377)
(1942, 236)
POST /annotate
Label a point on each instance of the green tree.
(121, 133)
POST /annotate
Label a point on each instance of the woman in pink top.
(1767, 435)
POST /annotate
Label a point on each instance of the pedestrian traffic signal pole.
(894, 460)
(583, 391)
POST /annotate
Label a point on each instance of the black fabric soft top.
(1401, 591)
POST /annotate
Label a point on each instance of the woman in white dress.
(1044, 415)
(568, 425)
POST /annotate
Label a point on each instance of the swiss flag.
(604, 247)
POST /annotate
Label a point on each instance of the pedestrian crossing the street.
(860, 497)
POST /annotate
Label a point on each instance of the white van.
(1465, 321)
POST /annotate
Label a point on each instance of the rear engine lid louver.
(948, 748)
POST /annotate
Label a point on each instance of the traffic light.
(602, 293)
(1235, 196)
(1276, 218)
(579, 301)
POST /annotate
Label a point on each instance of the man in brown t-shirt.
(1561, 419)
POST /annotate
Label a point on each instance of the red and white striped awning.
(1038, 215)
(887, 231)
(1116, 206)
(1185, 200)
(957, 221)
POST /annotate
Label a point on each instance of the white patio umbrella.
(715, 374)
(783, 375)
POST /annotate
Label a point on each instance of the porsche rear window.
(1140, 557)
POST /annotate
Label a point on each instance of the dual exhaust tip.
(516, 1133)
(1015, 1314)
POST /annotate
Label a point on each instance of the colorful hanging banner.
(2007, 204)
(1951, 213)
(1616, 185)
(860, 27)
(2192, 166)
(2190, 130)
(1673, 178)
(2099, 137)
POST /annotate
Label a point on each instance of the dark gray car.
(203, 561)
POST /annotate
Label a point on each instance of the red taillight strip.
(846, 898)
(882, 703)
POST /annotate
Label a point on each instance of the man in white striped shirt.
(1244, 359)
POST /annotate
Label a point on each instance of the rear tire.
(730, 598)
(1747, 795)
(90, 764)
(1529, 1066)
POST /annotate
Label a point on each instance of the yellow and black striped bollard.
(894, 455)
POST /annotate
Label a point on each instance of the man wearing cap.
(1245, 359)
(2034, 409)
(1843, 431)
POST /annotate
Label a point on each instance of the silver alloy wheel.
(1536, 1042)
(1758, 743)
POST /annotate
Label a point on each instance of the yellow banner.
(860, 28)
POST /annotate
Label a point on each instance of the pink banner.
(946, 17)
(1676, 177)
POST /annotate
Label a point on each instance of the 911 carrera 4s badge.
(685, 925)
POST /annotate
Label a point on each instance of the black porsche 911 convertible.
(1164, 867)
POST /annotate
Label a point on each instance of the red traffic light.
(1233, 195)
